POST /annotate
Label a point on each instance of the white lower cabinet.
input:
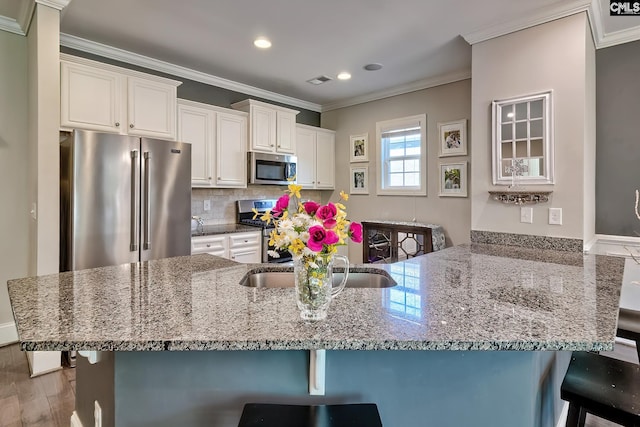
(218, 138)
(245, 247)
(316, 157)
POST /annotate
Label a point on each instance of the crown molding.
(56, 4)
(10, 25)
(25, 14)
(619, 37)
(114, 53)
(538, 17)
(399, 90)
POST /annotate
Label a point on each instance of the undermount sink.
(284, 279)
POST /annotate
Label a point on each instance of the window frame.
(382, 165)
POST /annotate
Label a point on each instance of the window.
(523, 140)
(403, 153)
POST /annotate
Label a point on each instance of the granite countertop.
(484, 297)
(209, 230)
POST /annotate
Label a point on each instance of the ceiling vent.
(319, 80)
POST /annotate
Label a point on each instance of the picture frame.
(453, 138)
(359, 146)
(359, 178)
(453, 179)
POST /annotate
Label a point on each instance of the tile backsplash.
(223, 200)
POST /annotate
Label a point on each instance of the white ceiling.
(419, 42)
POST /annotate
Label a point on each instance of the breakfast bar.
(181, 341)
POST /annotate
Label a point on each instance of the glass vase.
(314, 284)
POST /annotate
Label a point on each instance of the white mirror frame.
(547, 116)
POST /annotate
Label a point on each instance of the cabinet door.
(246, 255)
(286, 132)
(214, 245)
(306, 168)
(195, 126)
(250, 239)
(263, 128)
(151, 108)
(231, 143)
(90, 98)
(325, 160)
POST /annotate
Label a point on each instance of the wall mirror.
(523, 140)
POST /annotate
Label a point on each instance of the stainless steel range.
(245, 217)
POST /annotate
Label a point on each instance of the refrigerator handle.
(147, 207)
(135, 201)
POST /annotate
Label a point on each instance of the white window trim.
(395, 123)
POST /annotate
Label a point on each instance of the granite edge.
(527, 240)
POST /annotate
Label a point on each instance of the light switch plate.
(526, 215)
(555, 216)
(207, 205)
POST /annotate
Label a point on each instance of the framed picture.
(453, 138)
(453, 179)
(359, 148)
(359, 180)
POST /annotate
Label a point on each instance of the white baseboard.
(8, 333)
(562, 421)
(43, 362)
(75, 420)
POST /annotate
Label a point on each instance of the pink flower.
(281, 205)
(318, 237)
(329, 223)
(311, 207)
(317, 234)
(326, 212)
(355, 232)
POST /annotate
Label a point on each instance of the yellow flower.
(344, 196)
(294, 189)
(266, 217)
(297, 246)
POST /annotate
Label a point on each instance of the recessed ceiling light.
(373, 67)
(344, 76)
(262, 43)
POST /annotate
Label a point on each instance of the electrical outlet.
(555, 216)
(97, 414)
(207, 205)
(526, 215)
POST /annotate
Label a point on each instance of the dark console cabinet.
(389, 242)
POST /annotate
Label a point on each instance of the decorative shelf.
(520, 197)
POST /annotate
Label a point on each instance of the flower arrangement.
(307, 229)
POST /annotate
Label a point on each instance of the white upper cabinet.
(102, 97)
(218, 138)
(271, 128)
(316, 157)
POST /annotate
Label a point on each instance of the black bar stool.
(272, 415)
(629, 327)
(602, 386)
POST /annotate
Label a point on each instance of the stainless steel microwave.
(275, 169)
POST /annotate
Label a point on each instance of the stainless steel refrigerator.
(123, 199)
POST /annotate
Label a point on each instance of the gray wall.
(14, 213)
(443, 103)
(200, 92)
(618, 138)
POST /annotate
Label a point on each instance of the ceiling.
(420, 43)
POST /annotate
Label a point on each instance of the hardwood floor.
(48, 400)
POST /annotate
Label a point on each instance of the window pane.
(521, 111)
(396, 179)
(536, 148)
(521, 130)
(507, 113)
(521, 149)
(536, 128)
(507, 132)
(412, 165)
(395, 166)
(536, 109)
(507, 150)
(506, 168)
(413, 151)
(396, 150)
(412, 179)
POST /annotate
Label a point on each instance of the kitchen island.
(148, 318)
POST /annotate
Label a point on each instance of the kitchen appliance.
(123, 199)
(267, 168)
(245, 216)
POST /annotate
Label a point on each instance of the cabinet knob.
(208, 245)
(131, 125)
(279, 145)
(246, 241)
(117, 124)
(271, 145)
(219, 178)
(209, 177)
